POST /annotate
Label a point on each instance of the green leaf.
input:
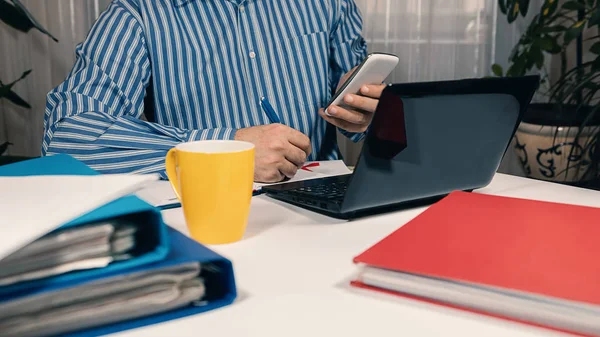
(574, 31)
(596, 64)
(573, 5)
(10, 15)
(549, 8)
(595, 18)
(502, 6)
(4, 147)
(595, 48)
(545, 43)
(6, 91)
(524, 7)
(513, 11)
(529, 63)
(23, 75)
(538, 57)
(497, 70)
(17, 16)
(514, 53)
(17, 100)
(518, 67)
(5, 88)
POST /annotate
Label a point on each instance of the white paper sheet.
(326, 168)
(158, 193)
(35, 205)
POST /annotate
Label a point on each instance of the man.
(207, 64)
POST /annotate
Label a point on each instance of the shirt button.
(252, 54)
(242, 9)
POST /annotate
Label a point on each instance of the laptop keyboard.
(328, 190)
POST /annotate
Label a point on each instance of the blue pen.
(266, 106)
(169, 206)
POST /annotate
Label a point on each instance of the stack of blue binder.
(116, 268)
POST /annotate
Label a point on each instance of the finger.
(287, 168)
(345, 78)
(295, 155)
(300, 140)
(372, 90)
(350, 116)
(342, 124)
(361, 102)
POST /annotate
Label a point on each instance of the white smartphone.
(372, 70)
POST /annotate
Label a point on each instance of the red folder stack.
(529, 261)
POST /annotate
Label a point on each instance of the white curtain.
(435, 39)
(69, 21)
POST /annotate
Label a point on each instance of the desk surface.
(293, 268)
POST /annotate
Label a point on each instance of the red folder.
(521, 251)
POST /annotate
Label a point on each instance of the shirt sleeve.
(95, 114)
(348, 47)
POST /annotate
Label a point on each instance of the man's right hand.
(279, 151)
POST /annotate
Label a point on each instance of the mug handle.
(171, 168)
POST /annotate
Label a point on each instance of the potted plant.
(558, 139)
(15, 14)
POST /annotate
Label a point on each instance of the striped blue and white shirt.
(206, 63)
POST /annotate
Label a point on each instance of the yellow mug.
(213, 181)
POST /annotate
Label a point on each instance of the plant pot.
(545, 144)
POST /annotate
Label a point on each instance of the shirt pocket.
(308, 58)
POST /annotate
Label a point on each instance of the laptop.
(426, 140)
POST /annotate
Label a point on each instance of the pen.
(169, 206)
(266, 106)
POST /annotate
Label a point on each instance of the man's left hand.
(358, 112)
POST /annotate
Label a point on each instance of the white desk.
(293, 268)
